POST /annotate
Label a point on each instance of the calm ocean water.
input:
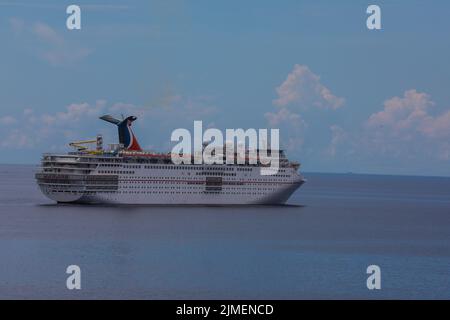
(319, 247)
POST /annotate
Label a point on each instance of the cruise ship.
(125, 174)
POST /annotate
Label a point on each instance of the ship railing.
(55, 165)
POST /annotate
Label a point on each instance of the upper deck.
(88, 160)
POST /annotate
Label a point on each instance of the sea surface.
(319, 246)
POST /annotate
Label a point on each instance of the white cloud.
(77, 120)
(7, 120)
(298, 96)
(77, 111)
(27, 112)
(45, 33)
(408, 135)
(51, 46)
(283, 115)
(303, 89)
(17, 139)
(406, 130)
(338, 136)
(72, 114)
(402, 113)
(438, 126)
(292, 127)
(409, 115)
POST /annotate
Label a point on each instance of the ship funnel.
(126, 135)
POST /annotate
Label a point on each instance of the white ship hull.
(70, 179)
(200, 198)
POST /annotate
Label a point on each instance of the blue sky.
(346, 99)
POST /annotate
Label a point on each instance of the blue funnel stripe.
(124, 134)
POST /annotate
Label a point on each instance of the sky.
(345, 98)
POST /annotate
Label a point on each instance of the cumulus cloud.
(299, 96)
(77, 111)
(338, 136)
(302, 88)
(402, 113)
(292, 127)
(283, 115)
(72, 113)
(32, 128)
(45, 33)
(408, 115)
(17, 139)
(409, 134)
(7, 120)
(408, 128)
(438, 126)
